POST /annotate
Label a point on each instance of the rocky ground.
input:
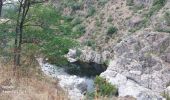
(138, 56)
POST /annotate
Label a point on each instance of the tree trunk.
(23, 10)
(1, 3)
(16, 44)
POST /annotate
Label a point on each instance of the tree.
(1, 3)
(24, 6)
(40, 26)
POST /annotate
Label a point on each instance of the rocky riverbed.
(75, 86)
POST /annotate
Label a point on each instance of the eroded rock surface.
(141, 65)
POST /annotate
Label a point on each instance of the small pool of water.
(76, 78)
(84, 69)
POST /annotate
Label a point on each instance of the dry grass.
(28, 85)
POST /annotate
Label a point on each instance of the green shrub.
(142, 24)
(167, 18)
(156, 6)
(76, 21)
(91, 11)
(167, 30)
(68, 18)
(73, 4)
(110, 19)
(98, 22)
(90, 43)
(104, 88)
(79, 29)
(102, 2)
(76, 5)
(129, 2)
(112, 30)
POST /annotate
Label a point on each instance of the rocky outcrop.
(141, 65)
(88, 55)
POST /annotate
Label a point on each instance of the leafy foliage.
(78, 30)
(45, 32)
(102, 2)
(74, 4)
(76, 21)
(156, 6)
(52, 33)
(104, 88)
(6, 35)
(112, 30)
(91, 11)
(167, 18)
(130, 2)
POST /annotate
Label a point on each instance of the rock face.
(141, 66)
(88, 55)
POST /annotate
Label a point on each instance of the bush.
(76, 21)
(102, 2)
(91, 11)
(98, 22)
(76, 5)
(79, 29)
(159, 29)
(90, 43)
(167, 18)
(104, 88)
(129, 2)
(156, 6)
(68, 18)
(110, 19)
(112, 30)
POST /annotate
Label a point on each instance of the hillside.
(85, 49)
(132, 37)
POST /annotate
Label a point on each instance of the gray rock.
(72, 55)
(141, 72)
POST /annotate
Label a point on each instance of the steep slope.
(134, 36)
